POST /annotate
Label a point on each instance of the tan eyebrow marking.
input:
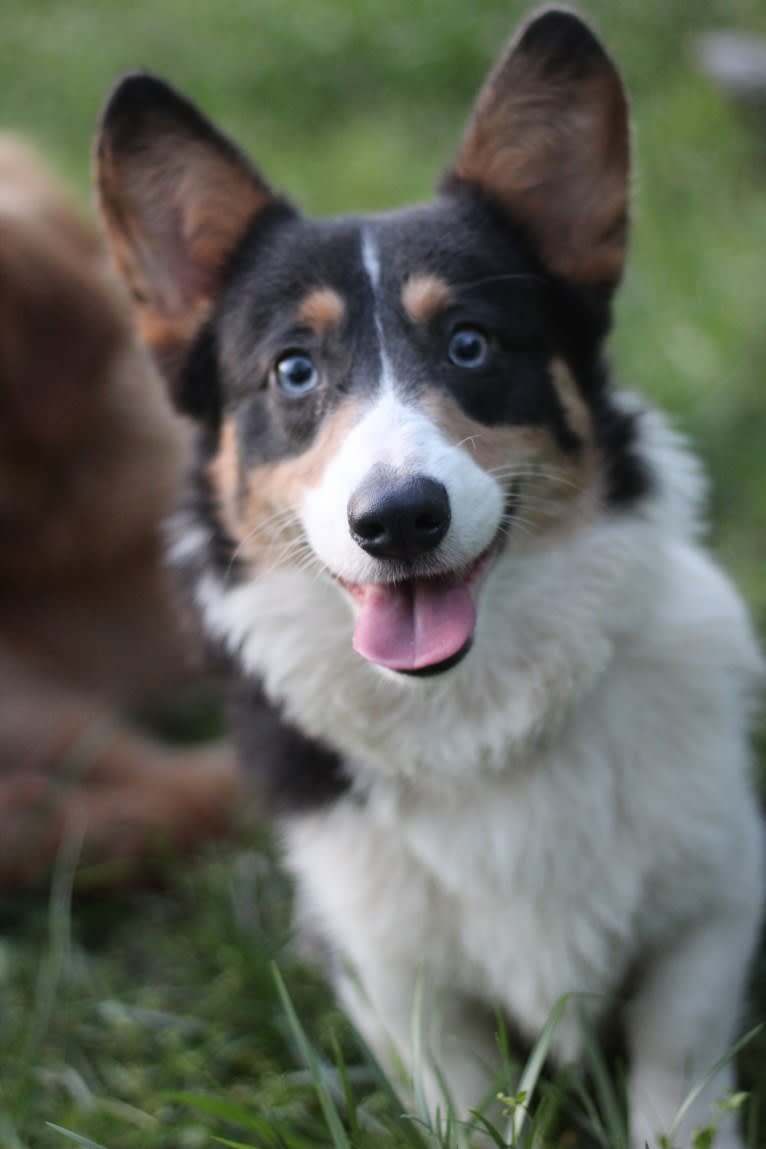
(424, 294)
(321, 310)
(254, 505)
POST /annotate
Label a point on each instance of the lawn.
(113, 1008)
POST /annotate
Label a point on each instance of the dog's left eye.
(295, 374)
(468, 347)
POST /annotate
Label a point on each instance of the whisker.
(508, 471)
(536, 498)
(517, 523)
(468, 439)
(281, 519)
(470, 285)
(293, 549)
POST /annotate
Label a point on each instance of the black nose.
(393, 518)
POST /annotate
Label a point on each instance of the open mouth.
(421, 625)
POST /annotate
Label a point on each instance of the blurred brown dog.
(90, 462)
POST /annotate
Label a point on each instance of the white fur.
(569, 803)
(185, 540)
(371, 264)
(371, 259)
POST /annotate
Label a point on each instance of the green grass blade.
(349, 1099)
(532, 1070)
(215, 1107)
(418, 1057)
(85, 1142)
(329, 1108)
(616, 1133)
(703, 1084)
(411, 1127)
(488, 1128)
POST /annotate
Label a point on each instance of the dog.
(91, 461)
(466, 571)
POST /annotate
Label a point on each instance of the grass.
(154, 1021)
(186, 1018)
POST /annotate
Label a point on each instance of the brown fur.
(556, 155)
(322, 310)
(576, 410)
(172, 250)
(424, 296)
(224, 474)
(90, 462)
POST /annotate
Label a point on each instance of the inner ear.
(176, 197)
(549, 141)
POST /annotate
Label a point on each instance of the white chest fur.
(556, 875)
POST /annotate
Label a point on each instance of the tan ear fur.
(549, 141)
(176, 198)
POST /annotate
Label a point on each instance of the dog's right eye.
(295, 374)
(469, 348)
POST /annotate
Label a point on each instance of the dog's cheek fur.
(259, 506)
(548, 488)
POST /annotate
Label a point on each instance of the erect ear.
(549, 142)
(176, 198)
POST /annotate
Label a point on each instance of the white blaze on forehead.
(371, 262)
(395, 434)
(371, 258)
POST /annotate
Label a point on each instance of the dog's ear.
(549, 141)
(176, 198)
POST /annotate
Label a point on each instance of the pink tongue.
(414, 624)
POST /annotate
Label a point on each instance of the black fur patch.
(291, 773)
(627, 477)
(199, 389)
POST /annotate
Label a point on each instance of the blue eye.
(469, 348)
(295, 374)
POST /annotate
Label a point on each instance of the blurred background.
(358, 104)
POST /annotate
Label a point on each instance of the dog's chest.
(516, 892)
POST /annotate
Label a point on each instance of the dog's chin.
(419, 625)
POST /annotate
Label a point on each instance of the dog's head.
(400, 399)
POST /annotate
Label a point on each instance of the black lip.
(440, 667)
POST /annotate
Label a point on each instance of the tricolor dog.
(513, 688)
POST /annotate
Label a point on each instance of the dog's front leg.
(434, 1043)
(681, 1023)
